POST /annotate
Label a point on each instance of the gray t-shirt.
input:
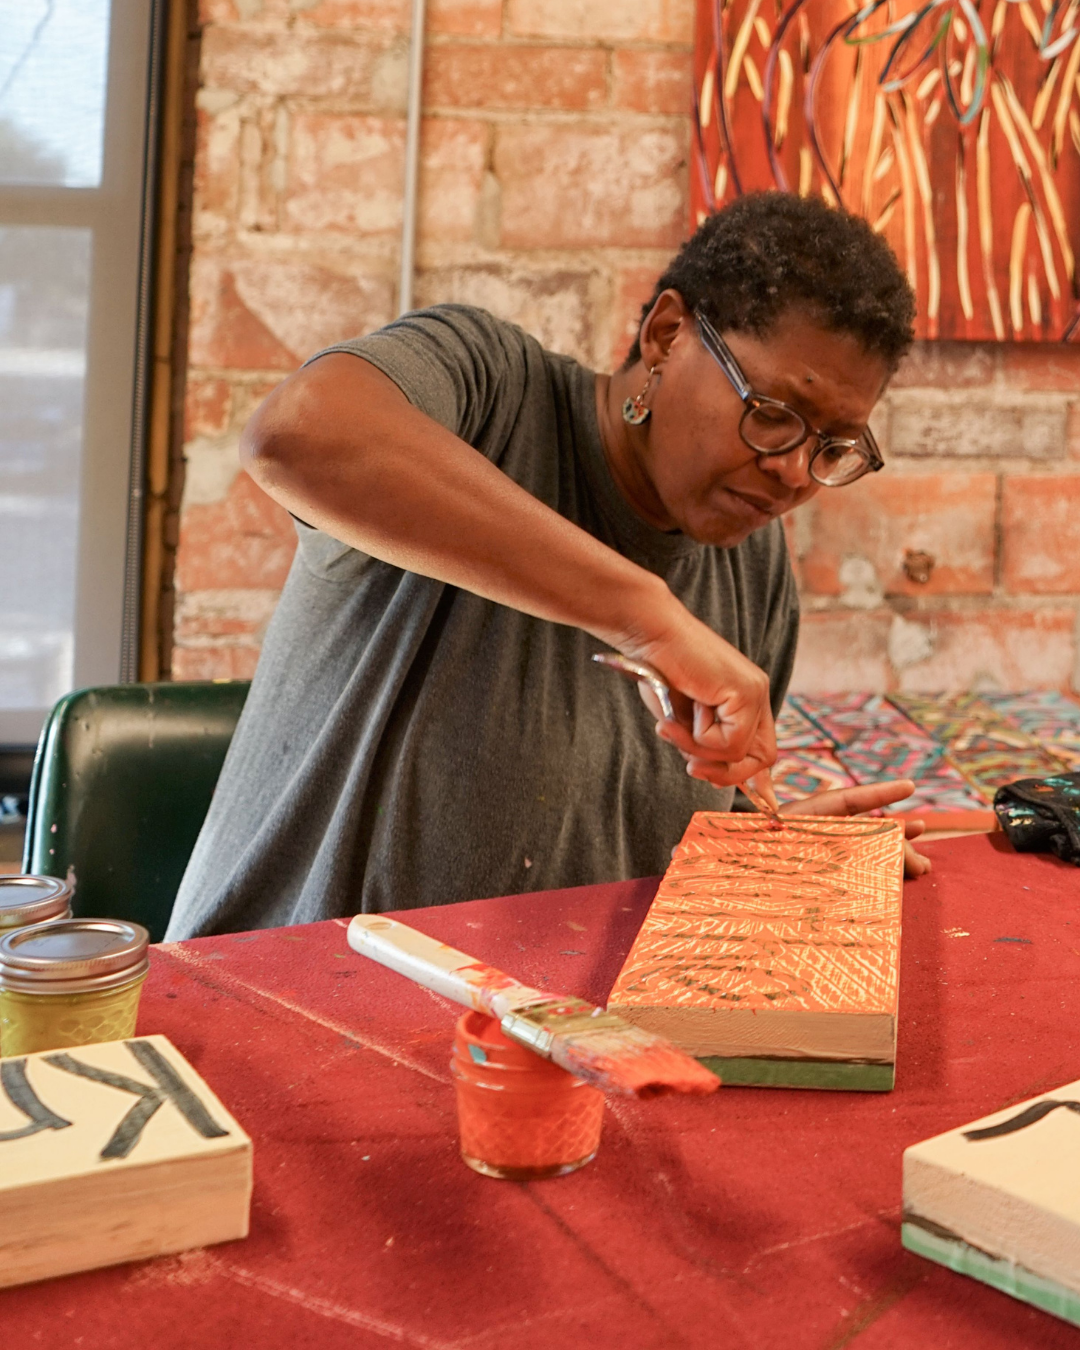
(406, 743)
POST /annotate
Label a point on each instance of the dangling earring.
(634, 410)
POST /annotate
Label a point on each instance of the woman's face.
(707, 481)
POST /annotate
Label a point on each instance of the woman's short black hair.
(769, 252)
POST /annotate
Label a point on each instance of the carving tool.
(642, 671)
(585, 1040)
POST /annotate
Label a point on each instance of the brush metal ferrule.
(537, 1024)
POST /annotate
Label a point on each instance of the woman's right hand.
(724, 724)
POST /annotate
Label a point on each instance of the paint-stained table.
(755, 1218)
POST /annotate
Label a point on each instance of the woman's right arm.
(340, 446)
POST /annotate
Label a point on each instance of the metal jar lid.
(73, 956)
(27, 899)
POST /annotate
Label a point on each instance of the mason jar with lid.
(27, 899)
(70, 982)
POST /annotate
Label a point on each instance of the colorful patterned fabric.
(802, 773)
(939, 786)
(958, 748)
(1051, 718)
(1038, 713)
(989, 769)
(794, 731)
(987, 748)
(950, 717)
(846, 717)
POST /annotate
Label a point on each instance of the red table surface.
(752, 1218)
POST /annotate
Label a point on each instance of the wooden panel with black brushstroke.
(110, 1153)
(998, 1200)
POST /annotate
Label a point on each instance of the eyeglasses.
(770, 427)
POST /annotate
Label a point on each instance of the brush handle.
(438, 967)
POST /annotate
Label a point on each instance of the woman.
(478, 516)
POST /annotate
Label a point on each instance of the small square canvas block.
(877, 755)
(802, 773)
(773, 953)
(1050, 718)
(1000, 1200)
(1043, 714)
(846, 717)
(942, 798)
(952, 718)
(796, 732)
(988, 767)
(945, 716)
(113, 1152)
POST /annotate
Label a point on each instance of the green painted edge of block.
(1005, 1276)
(803, 1073)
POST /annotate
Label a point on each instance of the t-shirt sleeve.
(459, 365)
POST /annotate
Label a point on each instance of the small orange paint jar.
(521, 1117)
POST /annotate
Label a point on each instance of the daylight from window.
(52, 102)
(53, 62)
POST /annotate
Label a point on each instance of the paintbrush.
(592, 1044)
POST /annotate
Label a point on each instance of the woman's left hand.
(851, 801)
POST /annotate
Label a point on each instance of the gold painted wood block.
(114, 1152)
(767, 944)
(1000, 1200)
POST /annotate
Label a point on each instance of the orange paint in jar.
(521, 1117)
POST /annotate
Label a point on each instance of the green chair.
(122, 781)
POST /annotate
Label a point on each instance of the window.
(77, 103)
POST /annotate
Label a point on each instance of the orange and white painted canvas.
(953, 126)
(770, 942)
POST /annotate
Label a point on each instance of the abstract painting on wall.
(953, 126)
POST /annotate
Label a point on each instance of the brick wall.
(553, 189)
(983, 480)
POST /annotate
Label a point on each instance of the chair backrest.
(122, 782)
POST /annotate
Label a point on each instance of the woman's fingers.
(651, 702)
(868, 797)
(760, 754)
(915, 864)
(736, 727)
(851, 801)
(681, 737)
(724, 775)
(763, 783)
(838, 802)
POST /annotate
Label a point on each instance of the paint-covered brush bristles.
(605, 1049)
(590, 1043)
